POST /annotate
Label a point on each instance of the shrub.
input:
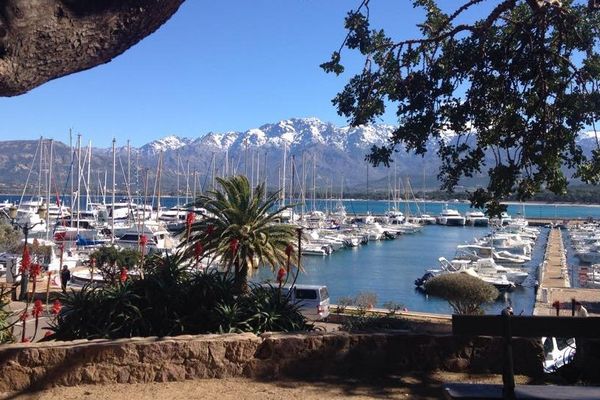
(342, 303)
(393, 307)
(464, 293)
(365, 323)
(109, 261)
(5, 315)
(365, 301)
(170, 301)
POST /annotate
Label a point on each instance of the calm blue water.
(381, 206)
(389, 268)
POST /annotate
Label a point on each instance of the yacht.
(450, 217)
(476, 218)
(501, 282)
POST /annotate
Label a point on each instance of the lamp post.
(12, 213)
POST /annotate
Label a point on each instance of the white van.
(313, 300)
(557, 352)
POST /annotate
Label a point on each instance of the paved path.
(555, 284)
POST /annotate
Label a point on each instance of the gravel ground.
(402, 387)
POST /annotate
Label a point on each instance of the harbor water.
(388, 269)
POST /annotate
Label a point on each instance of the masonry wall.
(246, 355)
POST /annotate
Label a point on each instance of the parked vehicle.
(313, 300)
(557, 352)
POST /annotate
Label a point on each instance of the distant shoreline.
(3, 197)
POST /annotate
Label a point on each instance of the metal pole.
(112, 214)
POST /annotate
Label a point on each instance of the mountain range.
(335, 155)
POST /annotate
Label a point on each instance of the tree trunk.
(241, 279)
(42, 40)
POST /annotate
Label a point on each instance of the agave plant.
(241, 229)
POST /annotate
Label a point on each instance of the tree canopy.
(515, 88)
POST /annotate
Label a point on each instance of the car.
(557, 352)
(313, 300)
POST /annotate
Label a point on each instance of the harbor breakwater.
(270, 356)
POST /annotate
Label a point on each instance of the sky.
(214, 66)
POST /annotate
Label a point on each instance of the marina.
(359, 246)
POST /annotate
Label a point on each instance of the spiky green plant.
(241, 229)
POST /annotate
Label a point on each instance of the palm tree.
(241, 228)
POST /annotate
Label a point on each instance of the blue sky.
(215, 66)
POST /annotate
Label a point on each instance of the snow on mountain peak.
(170, 142)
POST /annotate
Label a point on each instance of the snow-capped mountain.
(166, 143)
(335, 154)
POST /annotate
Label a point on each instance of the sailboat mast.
(128, 167)
(71, 173)
(283, 174)
(368, 211)
(89, 174)
(213, 172)
(49, 186)
(178, 199)
(292, 188)
(78, 178)
(158, 173)
(314, 184)
(114, 184)
(187, 183)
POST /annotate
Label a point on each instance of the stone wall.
(246, 355)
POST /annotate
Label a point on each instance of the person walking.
(507, 311)
(580, 310)
(65, 277)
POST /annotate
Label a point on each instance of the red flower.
(210, 229)
(48, 333)
(24, 316)
(233, 245)
(190, 218)
(93, 262)
(280, 274)
(289, 249)
(25, 260)
(25, 340)
(38, 308)
(198, 250)
(123, 276)
(143, 240)
(36, 269)
(56, 307)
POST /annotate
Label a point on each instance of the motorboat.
(315, 250)
(450, 217)
(474, 252)
(476, 218)
(501, 282)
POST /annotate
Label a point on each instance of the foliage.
(367, 323)
(109, 260)
(516, 87)
(5, 333)
(344, 302)
(239, 229)
(365, 301)
(10, 239)
(169, 300)
(464, 293)
(393, 307)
